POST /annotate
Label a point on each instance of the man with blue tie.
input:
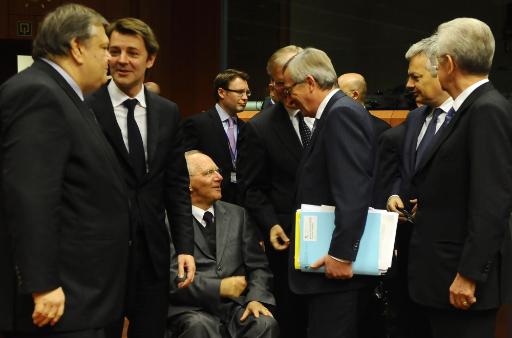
(215, 132)
(422, 126)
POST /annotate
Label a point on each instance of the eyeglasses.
(288, 90)
(209, 172)
(277, 84)
(239, 92)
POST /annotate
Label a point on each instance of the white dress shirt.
(198, 214)
(445, 107)
(292, 113)
(121, 112)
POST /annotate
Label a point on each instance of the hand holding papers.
(313, 231)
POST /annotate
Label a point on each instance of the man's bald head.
(354, 85)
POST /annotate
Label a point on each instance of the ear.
(150, 61)
(311, 82)
(355, 95)
(221, 92)
(450, 64)
(76, 50)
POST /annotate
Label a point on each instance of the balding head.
(354, 85)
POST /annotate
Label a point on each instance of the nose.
(217, 176)
(122, 57)
(410, 84)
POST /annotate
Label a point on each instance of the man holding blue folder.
(335, 170)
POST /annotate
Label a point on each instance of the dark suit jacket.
(269, 155)
(205, 132)
(379, 126)
(337, 170)
(464, 187)
(65, 207)
(238, 254)
(387, 165)
(413, 124)
(165, 185)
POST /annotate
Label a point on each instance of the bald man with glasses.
(215, 131)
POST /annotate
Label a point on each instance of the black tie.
(135, 145)
(208, 219)
(426, 141)
(305, 132)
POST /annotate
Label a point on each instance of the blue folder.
(313, 238)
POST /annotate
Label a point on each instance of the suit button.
(130, 243)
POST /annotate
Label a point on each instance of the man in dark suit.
(269, 154)
(387, 164)
(215, 132)
(424, 84)
(460, 248)
(354, 85)
(231, 293)
(149, 148)
(64, 232)
(335, 170)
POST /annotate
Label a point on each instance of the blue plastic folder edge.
(313, 233)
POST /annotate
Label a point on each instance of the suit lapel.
(88, 116)
(320, 123)
(152, 116)
(200, 241)
(220, 134)
(447, 130)
(223, 228)
(102, 106)
(412, 137)
(284, 130)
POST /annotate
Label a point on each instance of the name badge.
(233, 177)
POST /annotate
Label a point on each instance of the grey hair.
(313, 62)
(425, 47)
(61, 26)
(469, 42)
(281, 56)
(191, 168)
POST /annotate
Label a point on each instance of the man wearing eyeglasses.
(215, 132)
(271, 146)
(231, 292)
(336, 170)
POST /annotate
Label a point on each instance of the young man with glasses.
(215, 132)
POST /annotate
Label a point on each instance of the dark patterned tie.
(426, 141)
(305, 132)
(208, 219)
(449, 116)
(135, 145)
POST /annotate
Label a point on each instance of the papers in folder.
(314, 226)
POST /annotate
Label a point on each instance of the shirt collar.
(222, 113)
(446, 105)
(459, 100)
(66, 77)
(324, 102)
(118, 96)
(198, 213)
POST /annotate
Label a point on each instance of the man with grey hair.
(423, 125)
(335, 170)
(271, 145)
(64, 234)
(460, 247)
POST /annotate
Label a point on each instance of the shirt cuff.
(340, 260)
